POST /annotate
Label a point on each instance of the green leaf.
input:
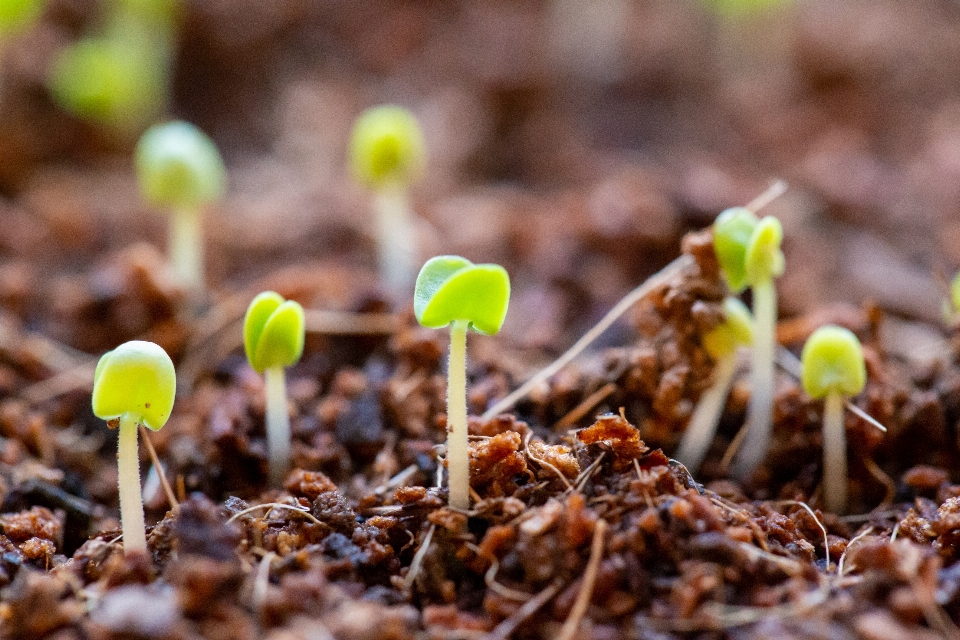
(386, 147)
(273, 331)
(731, 235)
(832, 361)
(179, 166)
(764, 259)
(735, 330)
(136, 378)
(453, 288)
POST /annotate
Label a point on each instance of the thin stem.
(186, 247)
(834, 454)
(397, 240)
(128, 476)
(760, 407)
(458, 448)
(703, 424)
(278, 424)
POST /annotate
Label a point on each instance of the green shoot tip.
(136, 378)
(832, 361)
(452, 288)
(273, 331)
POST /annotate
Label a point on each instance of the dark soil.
(583, 165)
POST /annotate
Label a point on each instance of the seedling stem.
(834, 453)
(186, 247)
(699, 434)
(458, 459)
(396, 238)
(278, 421)
(128, 476)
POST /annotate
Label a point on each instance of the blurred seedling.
(832, 368)
(723, 344)
(17, 16)
(387, 154)
(273, 335)
(748, 250)
(453, 291)
(180, 170)
(119, 75)
(133, 384)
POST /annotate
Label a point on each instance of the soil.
(584, 151)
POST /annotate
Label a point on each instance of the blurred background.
(573, 141)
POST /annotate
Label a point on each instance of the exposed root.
(826, 541)
(544, 463)
(276, 505)
(490, 576)
(843, 556)
(417, 561)
(262, 580)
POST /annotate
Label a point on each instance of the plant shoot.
(833, 369)
(749, 253)
(135, 384)
(387, 154)
(453, 291)
(180, 170)
(273, 335)
(722, 343)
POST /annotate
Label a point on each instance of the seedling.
(180, 169)
(451, 290)
(387, 154)
(722, 343)
(18, 15)
(833, 369)
(135, 384)
(273, 334)
(749, 253)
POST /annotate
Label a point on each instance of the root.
(580, 605)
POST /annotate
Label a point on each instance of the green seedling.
(273, 334)
(180, 169)
(722, 343)
(748, 250)
(387, 154)
(453, 291)
(833, 369)
(133, 384)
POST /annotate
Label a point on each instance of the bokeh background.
(573, 141)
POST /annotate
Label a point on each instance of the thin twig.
(586, 589)
(503, 630)
(491, 574)
(657, 280)
(774, 191)
(172, 499)
(544, 463)
(585, 406)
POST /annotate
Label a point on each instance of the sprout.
(387, 154)
(273, 333)
(833, 369)
(180, 169)
(722, 344)
(453, 291)
(134, 383)
(749, 253)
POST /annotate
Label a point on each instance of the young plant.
(273, 334)
(833, 369)
(722, 343)
(451, 290)
(135, 384)
(748, 250)
(180, 169)
(387, 154)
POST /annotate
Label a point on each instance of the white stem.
(458, 447)
(760, 407)
(128, 476)
(703, 423)
(278, 425)
(397, 241)
(834, 454)
(186, 247)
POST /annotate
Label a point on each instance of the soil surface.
(585, 149)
